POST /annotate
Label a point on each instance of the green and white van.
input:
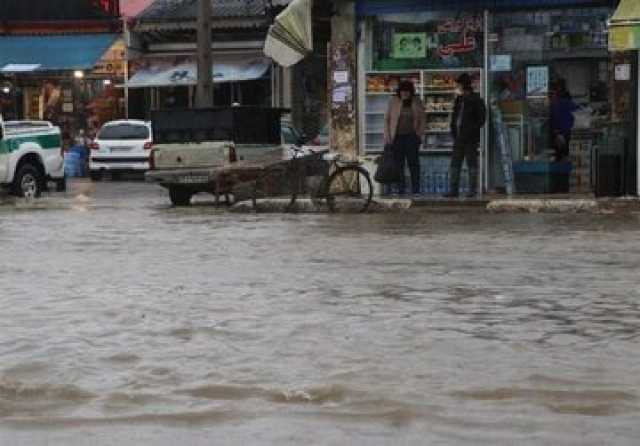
(30, 156)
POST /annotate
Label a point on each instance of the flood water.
(125, 321)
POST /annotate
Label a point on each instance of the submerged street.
(127, 321)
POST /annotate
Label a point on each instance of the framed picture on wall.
(409, 45)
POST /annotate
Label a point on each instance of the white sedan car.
(121, 146)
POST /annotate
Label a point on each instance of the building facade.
(162, 56)
(60, 61)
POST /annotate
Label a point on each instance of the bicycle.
(342, 185)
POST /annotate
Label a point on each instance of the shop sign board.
(537, 81)
(442, 43)
(112, 62)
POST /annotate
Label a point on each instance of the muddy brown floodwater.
(125, 321)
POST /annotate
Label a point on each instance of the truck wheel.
(180, 196)
(28, 182)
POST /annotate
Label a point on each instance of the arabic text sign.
(463, 32)
(537, 80)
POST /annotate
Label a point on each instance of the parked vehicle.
(191, 147)
(30, 156)
(121, 146)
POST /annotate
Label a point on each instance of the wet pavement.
(126, 321)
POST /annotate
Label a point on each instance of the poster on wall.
(410, 45)
(537, 81)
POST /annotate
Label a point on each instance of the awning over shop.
(624, 27)
(168, 73)
(19, 54)
(374, 7)
(290, 38)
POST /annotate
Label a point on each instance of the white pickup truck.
(30, 156)
(191, 147)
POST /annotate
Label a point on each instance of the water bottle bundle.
(436, 177)
(438, 182)
(74, 162)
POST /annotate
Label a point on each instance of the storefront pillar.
(342, 81)
(624, 42)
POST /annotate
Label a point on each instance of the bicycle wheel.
(275, 184)
(349, 190)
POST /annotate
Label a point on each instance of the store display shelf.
(387, 93)
(374, 113)
(374, 132)
(432, 92)
(439, 112)
(438, 132)
(440, 88)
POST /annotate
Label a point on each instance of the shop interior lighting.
(107, 82)
(6, 90)
(78, 74)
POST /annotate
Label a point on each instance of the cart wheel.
(349, 190)
(274, 183)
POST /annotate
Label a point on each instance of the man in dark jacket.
(469, 115)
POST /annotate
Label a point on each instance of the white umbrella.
(290, 38)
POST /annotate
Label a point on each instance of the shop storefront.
(556, 95)
(68, 80)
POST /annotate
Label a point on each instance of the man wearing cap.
(469, 115)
